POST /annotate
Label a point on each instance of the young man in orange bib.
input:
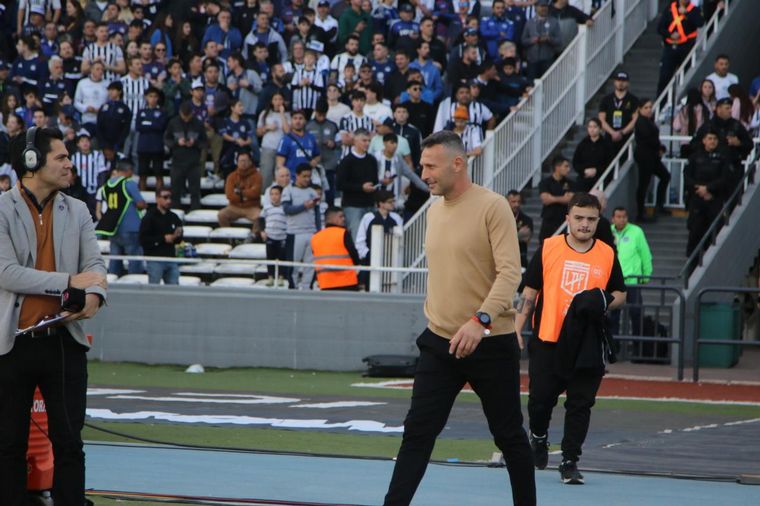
(572, 281)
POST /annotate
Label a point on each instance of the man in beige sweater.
(474, 270)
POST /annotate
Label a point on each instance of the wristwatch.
(485, 320)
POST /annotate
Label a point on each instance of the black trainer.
(569, 474)
(540, 447)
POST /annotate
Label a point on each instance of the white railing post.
(376, 258)
(537, 120)
(619, 30)
(397, 252)
(488, 158)
(653, 9)
(580, 86)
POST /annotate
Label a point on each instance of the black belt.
(54, 331)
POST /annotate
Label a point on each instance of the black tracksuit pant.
(58, 364)
(493, 372)
(545, 389)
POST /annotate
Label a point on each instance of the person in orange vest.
(333, 245)
(678, 28)
(572, 281)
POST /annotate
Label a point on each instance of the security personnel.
(733, 139)
(496, 29)
(565, 271)
(678, 28)
(114, 120)
(708, 181)
(333, 246)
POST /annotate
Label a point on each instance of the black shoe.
(569, 474)
(540, 447)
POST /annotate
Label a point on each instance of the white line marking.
(111, 391)
(261, 399)
(742, 422)
(226, 396)
(353, 425)
(339, 404)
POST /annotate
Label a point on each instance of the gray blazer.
(76, 250)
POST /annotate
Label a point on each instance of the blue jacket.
(232, 40)
(517, 16)
(432, 77)
(401, 28)
(51, 92)
(114, 122)
(294, 154)
(495, 31)
(151, 124)
(33, 71)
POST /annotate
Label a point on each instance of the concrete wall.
(253, 328)
(738, 40)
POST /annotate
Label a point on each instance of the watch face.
(484, 319)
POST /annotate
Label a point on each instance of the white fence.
(514, 151)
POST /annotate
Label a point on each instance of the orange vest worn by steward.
(328, 249)
(677, 25)
(566, 274)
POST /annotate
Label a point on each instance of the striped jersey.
(275, 222)
(340, 61)
(350, 123)
(479, 114)
(89, 166)
(134, 94)
(109, 53)
(471, 137)
(306, 96)
(47, 5)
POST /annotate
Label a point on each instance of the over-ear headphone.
(32, 158)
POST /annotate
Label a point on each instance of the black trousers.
(672, 57)
(276, 250)
(545, 389)
(190, 175)
(648, 167)
(493, 371)
(58, 365)
(701, 215)
(151, 164)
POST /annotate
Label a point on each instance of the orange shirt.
(36, 307)
(566, 273)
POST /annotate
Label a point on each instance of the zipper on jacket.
(40, 215)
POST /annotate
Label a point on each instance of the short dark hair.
(559, 160)
(445, 138)
(390, 137)
(246, 153)
(275, 187)
(383, 195)
(583, 199)
(361, 131)
(722, 56)
(42, 141)
(186, 108)
(332, 211)
(298, 112)
(303, 167)
(238, 58)
(514, 193)
(619, 208)
(358, 95)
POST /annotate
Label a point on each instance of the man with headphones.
(50, 265)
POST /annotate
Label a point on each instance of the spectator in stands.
(31, 104)
(326, 26)
(176, 87)
(636, 261)
(691, 116)
(678, 28)
(592, 156)
(496, 29)
(273, 124)
(524, 225)
(707, 91)
(160, 231)
(264, 33)
(357, 179)
(617, 112)
(721, 77)
(356, 21)
(91, 165)
(385, 216)
(648, 156)
(151, 123)
(333, 245)
(297, 146)
(555, 192)
(735, 142)
(464, 69)
(28, 7)
(325, 132)
(708, 181)
(244, 84)
(237, 134)
(353, 121)
(53, 89)
(349, 56)
(5, 183)
(742, 108)
(243, 191)
(121, 221)
(403, 28)
(281, 178)
(224, 34)
(91, 94)
(217, 101)
(470, 134)
(301, 205)
(542, 40)
(393, 171)
(274, 228)
(185, 136)
(106, 52)
(28, 70)
(421, 111)
(114, 120)
(568, 17)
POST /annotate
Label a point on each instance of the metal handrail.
(698, 341)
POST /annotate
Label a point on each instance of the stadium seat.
(236, 269)
(180, 214)
(151, 182)
(111, 278)
(149, 197)
(203, 216)
(215, 200)
(201, 268)
(229, 234)
(212, 249)
(133, 279)
(189, 281)
(105, 246)
(196, 232)
(249, 251)
(234, 282)
(243, 221)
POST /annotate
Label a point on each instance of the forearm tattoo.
(525, 305)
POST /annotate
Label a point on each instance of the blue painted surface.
(363, 482)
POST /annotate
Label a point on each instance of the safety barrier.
(699, 341)
(514, 151)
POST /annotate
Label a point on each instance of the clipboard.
(42, 324)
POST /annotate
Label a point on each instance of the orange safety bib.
(566, 274)
(328, 249)
(677, 25)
